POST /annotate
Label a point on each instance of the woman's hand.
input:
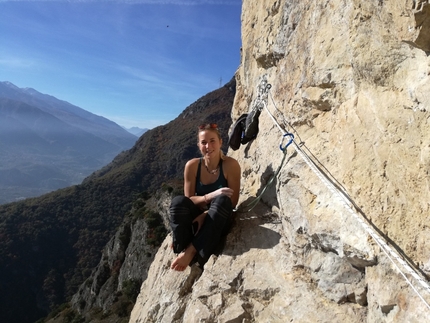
(221, 191)
(199, 220)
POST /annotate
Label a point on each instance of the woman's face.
(209, 143)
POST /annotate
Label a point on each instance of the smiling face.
(210, 143)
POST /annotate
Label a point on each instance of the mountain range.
(52, 243)
(47, 143)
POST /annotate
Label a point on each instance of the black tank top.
(202, 189)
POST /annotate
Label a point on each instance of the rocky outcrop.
(256, 278)
(124, 263)
(351, 81)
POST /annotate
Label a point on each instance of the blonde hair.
(212, 127)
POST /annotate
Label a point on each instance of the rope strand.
(346, 200)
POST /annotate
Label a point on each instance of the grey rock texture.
(350, 79)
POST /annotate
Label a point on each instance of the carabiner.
(288, 143)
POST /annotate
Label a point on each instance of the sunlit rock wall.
(350, 80)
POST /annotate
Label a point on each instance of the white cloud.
(16, 63)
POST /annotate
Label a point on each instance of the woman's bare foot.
(184, 258)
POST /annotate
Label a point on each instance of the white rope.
(382, 244)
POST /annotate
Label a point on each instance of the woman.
(211, 188)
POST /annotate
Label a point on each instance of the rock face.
(350, 80)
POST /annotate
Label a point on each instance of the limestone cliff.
(350, 80)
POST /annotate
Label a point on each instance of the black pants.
(217, 222)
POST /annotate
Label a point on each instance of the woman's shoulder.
(228, 159)
(192, 162)
(230, 162)
(191, 167)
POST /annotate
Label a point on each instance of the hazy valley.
(47, 144)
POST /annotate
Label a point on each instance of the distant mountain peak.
(136, 130)
(30, 91)
(10, 85)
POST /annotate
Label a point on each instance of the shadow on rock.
(252, 230)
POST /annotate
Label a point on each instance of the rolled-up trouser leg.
(182, 213)
(217, 219)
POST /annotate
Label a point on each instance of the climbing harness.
(237, 134)
(251, 127)
(341, 193)
(245, 129)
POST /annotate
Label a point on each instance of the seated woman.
(211, 188)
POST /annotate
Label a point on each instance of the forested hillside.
(50, 244)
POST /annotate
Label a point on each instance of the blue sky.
(136, 62)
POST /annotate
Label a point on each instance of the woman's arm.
(189, 179)
(233, 176)
(190, 172)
